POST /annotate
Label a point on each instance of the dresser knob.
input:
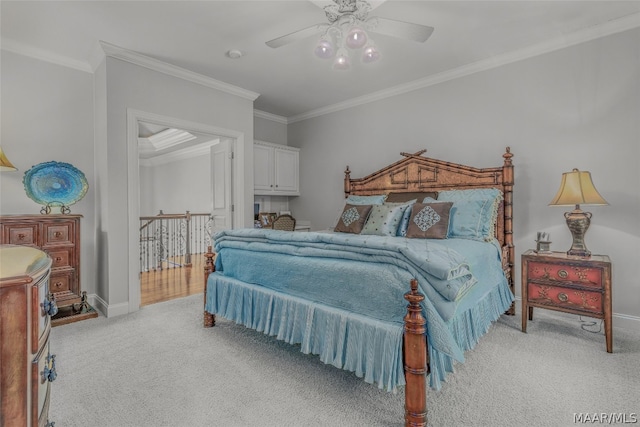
(57, 234)
(563, 274)
(563, 297)
(58, 258)
(21, 236)
(49, 373)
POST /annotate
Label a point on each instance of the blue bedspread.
(341, 287)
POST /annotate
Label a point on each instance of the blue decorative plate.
(55, 184)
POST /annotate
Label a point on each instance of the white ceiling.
(291, 81)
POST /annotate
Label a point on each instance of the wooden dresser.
(57, 235)
(27, 366)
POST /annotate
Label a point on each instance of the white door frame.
(133, 183)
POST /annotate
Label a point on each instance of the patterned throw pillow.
(384, 219)
(429, 220)
(353, 218)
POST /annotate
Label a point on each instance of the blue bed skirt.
(370, 348)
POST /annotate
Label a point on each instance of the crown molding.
(175, 71)
(269, 116)
(567, 40)
(13, 46)
(186, 153)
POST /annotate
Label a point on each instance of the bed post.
(209, 267)
(415, 360)
(347, 182)
(507, 179)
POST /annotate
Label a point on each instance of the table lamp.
(5, 164)
(577, 189)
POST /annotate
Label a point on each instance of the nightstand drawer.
(558, 296)
(567, 273)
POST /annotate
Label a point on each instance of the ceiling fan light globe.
(370, 54)
(356, 38)
(324, 49)
(341, 62)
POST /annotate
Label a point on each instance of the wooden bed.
(415, 173)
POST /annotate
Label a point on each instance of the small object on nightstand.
(570, 284)
(543, 243)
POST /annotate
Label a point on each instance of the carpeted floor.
(160, 367)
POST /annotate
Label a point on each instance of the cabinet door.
(286, 171)
(262, 168)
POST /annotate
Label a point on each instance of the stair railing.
(169, 240)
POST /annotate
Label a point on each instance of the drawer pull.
(49, 305)
(49, 373)
(563, 274)
(21, 236)
(563, 297)
(57, 234)
(58, 284)
(58, 258)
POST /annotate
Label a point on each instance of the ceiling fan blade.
(296, 35)
(401, 29)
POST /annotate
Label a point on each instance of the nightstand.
(576, 285)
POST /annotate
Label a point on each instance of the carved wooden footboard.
(418, 174)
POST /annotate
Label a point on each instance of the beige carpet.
(159, 367)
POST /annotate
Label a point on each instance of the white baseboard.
(108, 310)
(619, 320)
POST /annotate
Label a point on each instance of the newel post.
(415, 360)
(209, 267)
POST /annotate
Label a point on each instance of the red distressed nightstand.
(577, 285)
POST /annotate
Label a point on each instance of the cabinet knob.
(21, 236)
(57, 234)
(563, 297)
(49, 373)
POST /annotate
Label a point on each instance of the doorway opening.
(181, 190)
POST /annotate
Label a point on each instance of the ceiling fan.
(351, 18)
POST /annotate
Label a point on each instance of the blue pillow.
(366, 200)
(471, 219)
(404, 221)
(488, 215)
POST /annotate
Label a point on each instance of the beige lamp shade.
(577, 188)
(5, 164)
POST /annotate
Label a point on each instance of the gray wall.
(133, 87)
(175, 187)
(578, 107)
(270, 130)
(47, 114)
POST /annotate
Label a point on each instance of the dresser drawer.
(576, 274)
(564, 297)
(42, 378)
(61, 257)
(58, 232)
(63, 285)
(21, 234)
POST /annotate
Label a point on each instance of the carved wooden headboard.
(415, 173)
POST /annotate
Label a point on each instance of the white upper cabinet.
(275, 169)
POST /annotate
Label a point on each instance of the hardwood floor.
(169, 283)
